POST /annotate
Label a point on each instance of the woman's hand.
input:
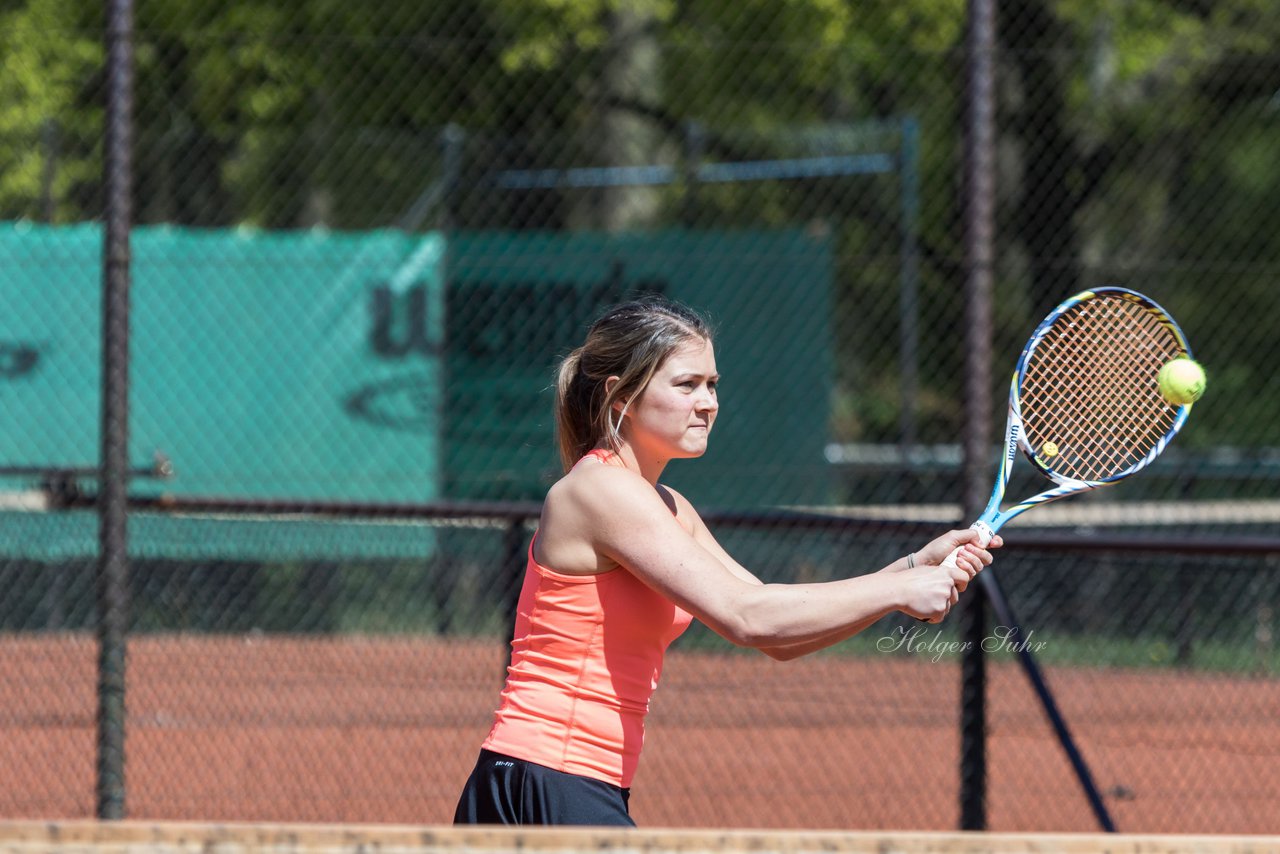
(972, 557)
(931, 589)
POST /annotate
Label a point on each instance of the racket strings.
(1116, 431)
(1090, 401)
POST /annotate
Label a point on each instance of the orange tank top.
(585, 660)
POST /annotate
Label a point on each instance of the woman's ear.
(609, 385)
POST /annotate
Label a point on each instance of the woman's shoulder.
(593, 483)
(602, 492)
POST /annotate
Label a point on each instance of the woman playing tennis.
(621, 564)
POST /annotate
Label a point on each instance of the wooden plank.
(135, 837)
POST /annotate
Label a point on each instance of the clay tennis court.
(365, 729)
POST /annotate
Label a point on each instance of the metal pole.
(113, 562)
(1018, 639)
(909, 307)
(49, 174)
(443, 192)
(694, 143)
(979, 171)
(453, 142)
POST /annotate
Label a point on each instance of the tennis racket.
(1084, 405)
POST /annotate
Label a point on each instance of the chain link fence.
(363, 236)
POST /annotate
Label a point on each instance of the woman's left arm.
(785, 652)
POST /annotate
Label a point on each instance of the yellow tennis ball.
(1181, 381)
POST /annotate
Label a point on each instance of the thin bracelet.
(911, 560)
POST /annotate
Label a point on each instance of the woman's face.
(673, 415)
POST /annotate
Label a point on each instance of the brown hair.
(629, 341)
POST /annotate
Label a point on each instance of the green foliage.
(1137, 142)
(51, 49)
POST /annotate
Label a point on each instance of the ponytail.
(573, 411)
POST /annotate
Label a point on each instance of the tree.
(1134, 146)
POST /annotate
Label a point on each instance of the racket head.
(1085, 391)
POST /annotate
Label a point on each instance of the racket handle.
(985, 533)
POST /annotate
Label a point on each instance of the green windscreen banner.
(265, 365)
(519, 302)
(391, 367)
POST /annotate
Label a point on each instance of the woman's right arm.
(972, 558)
(630, 524)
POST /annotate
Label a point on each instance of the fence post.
(113, 559)
(979, 172)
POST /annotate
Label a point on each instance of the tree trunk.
(630, 73)
(1045, 203)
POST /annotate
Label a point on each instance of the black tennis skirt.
(506, 790)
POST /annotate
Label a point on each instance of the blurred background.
(361, 238)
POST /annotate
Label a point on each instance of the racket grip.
(985, 533)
